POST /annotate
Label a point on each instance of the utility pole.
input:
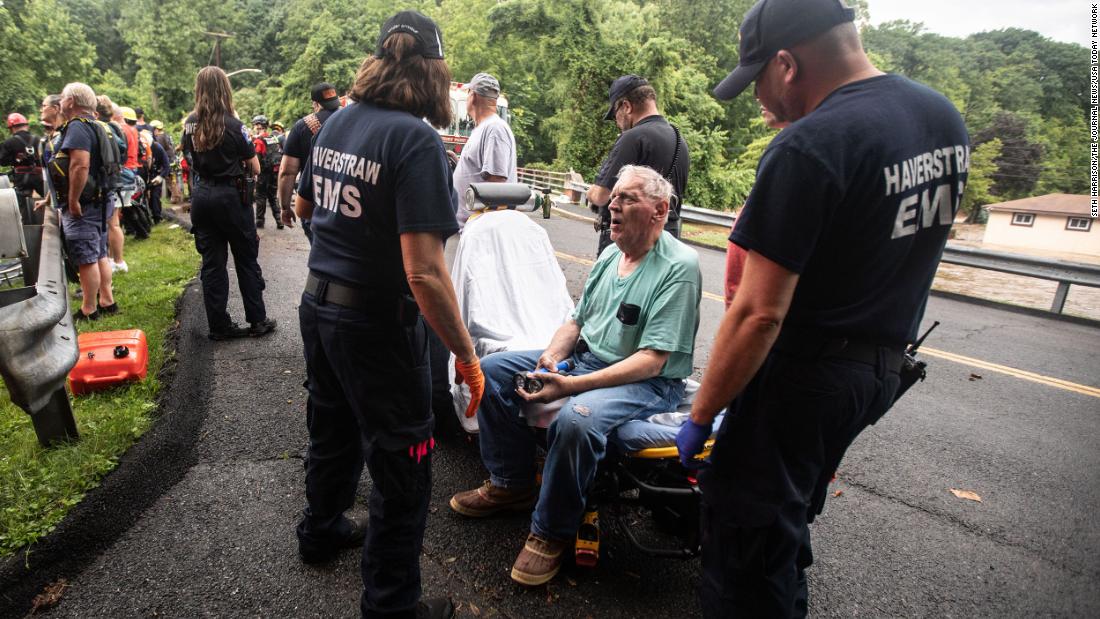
(216, 54)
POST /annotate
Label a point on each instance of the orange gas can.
(109, 358)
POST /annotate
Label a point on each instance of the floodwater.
(1015, 289)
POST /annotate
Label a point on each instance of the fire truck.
(456, 135)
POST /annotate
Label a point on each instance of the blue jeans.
(576, 440)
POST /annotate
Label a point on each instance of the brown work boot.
(489, 499)
(539, 561)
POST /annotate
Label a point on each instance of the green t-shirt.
(666, 288)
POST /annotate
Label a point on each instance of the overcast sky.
(1061, 20)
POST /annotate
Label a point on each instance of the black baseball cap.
(429, 44)
(325, 94)
(619, 89)
(772, 25)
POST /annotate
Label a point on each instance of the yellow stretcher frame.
(660, 453)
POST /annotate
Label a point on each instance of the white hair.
(654, 186)
(82, 94)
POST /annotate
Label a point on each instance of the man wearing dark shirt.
(77, 175)
(845, 227)
(647, 139)
(296, 148)
(18, 153)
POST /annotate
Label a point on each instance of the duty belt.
(401, 308)
(216, 180)
(812, 344)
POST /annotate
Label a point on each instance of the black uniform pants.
(369, 398)
(779, 446)
(155, 193)
(219, 221)
(266, 188)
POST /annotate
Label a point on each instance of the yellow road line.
(1049, 381)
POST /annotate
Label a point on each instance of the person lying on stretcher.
(631, 339)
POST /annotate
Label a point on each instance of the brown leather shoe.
(489, 499)
(539, 561)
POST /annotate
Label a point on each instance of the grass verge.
(706, 234)
(39, 486)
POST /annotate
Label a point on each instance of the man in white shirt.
(490, 153)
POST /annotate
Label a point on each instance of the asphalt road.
(1011, 411)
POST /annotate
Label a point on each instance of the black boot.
(435, 608)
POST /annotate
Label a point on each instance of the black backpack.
(105, 174)
(273, 154)
(26, 158)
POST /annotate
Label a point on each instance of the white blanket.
(511, 290)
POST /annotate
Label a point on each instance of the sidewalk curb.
(152, 465)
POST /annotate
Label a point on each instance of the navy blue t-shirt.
(80, 135)
(652, 142)
(224, 160)
(857, 198)
(372, 175)
(299, 139)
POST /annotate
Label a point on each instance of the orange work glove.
(470, 373)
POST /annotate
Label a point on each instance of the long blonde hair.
(213, 100)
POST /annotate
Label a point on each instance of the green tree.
(59, 52)
(99, 20)
(20, 87)
(983, 165)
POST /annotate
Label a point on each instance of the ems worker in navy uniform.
(647, 139)
(221, 156)
(296, 149)
(377, 186)
(845, 227)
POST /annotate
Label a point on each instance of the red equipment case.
(109, 358)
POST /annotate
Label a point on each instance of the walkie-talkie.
(911, 369)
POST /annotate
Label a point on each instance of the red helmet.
(15, 119)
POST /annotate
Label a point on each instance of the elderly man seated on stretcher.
(630, 342)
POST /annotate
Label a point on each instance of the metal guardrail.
(1065, 273)
(38, 343)
(696, 215)
(543, 179)
(563, 181)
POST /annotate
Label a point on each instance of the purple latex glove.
(689, 442)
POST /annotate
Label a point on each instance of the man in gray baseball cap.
(485, 85)
(843, 243)
(490, 153)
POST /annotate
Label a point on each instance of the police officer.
(269, 151)
(221, 156)
(19, 153)
(647, 139)
(325, 101)
(378, 189)
(844, 227)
